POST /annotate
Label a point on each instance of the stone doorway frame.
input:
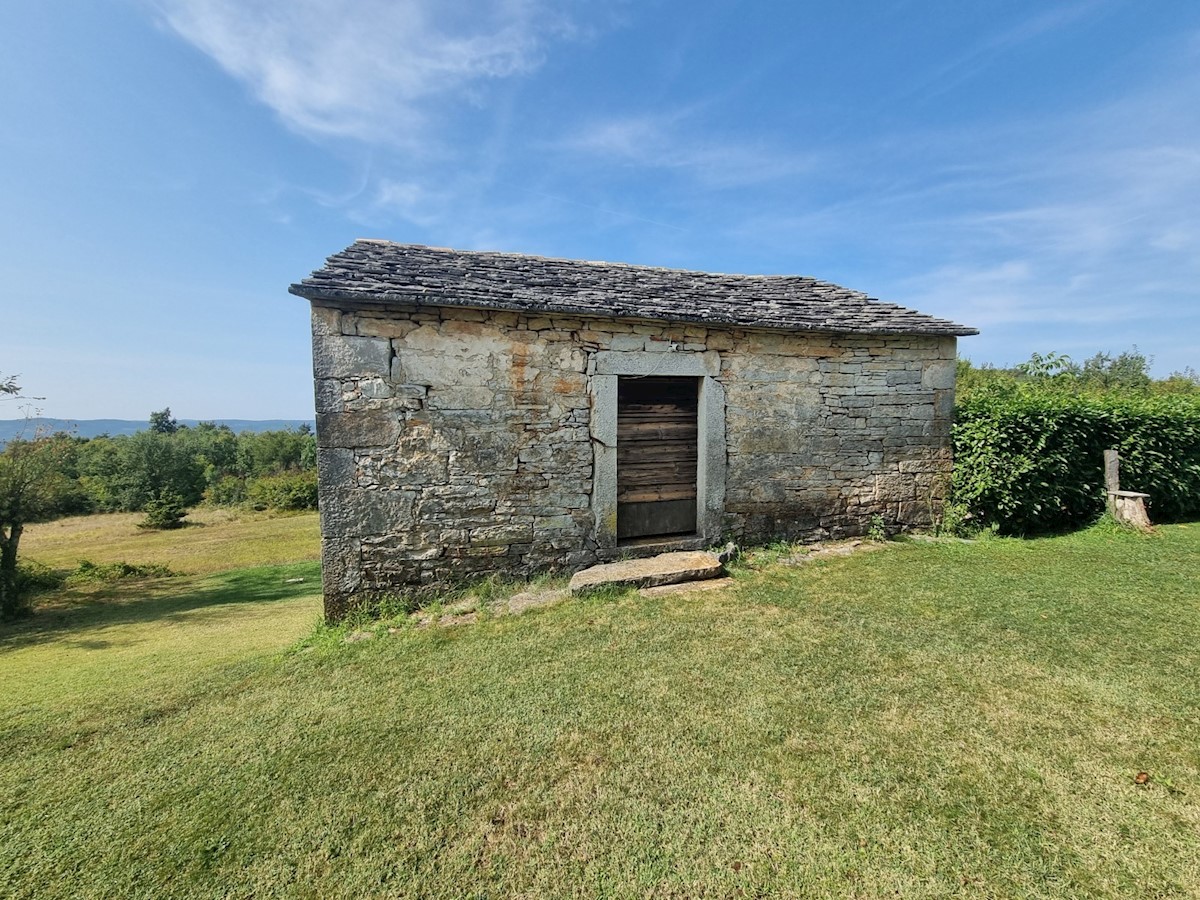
(608, 366)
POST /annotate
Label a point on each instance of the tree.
(272, 452)
(149, 464)
(162, 422)
(1048, 367)
(215, 447)
(1129, 371)
(164, 512)
(35, 485)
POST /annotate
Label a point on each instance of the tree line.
(1126, 374)
(202, 463)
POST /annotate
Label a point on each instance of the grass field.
(929, 720)
(215, 540)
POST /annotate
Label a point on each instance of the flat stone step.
(666, 568)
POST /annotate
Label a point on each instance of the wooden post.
(1127, 507)
(1112, 471)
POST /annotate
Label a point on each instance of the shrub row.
(34, 577)
(1030, 460)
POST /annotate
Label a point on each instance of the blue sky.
(170, 166)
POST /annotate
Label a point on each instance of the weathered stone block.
(328, 395)
(667, 568)
(497, 535)
(385, 328)
(433, 369)
(459, 340)
(460, 397)
(326, 321)
(621, 342)
(343, 356)
(943, 404)
(364, 512)
(412, 465)
(341, 565)
(917, 513)
(365, 428)
(375, 389)
(940, 375)
(336, 469)
(556, 457)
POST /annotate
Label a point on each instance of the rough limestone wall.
(826, 431)
(455, 442)
(450, 444)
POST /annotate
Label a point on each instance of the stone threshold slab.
(666, 568)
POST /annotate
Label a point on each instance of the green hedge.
(1032, 460)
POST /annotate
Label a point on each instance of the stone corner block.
(363, 428)
(349, 356)
(939, 375)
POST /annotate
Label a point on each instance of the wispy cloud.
(669, 142)
(368, 69)
(977, 57)
(1097, 247)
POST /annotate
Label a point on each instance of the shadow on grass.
(75, 610)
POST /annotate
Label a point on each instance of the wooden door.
(657, 456)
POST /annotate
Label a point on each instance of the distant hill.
(88, 428)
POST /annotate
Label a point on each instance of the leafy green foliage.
(228, 490)
(272, 452)
(162, 422)
(1127, 373)
(36, 484)
(35, 578)
(151, 465)
(286, 491)
(207, 462)
(878, 529)
(88, 571)
(1029, 458)
(165, 511)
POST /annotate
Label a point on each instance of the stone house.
(491, 412)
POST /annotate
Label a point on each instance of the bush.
(164, 512)
(88, 571)
(35, 578)
(1031, 460)
(229, 490)
(286, 491)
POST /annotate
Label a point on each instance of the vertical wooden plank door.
(657, 456)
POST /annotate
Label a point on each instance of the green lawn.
(928, 720)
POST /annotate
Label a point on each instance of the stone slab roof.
(381, 273)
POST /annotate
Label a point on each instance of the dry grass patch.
(215, 540)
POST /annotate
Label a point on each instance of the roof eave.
(422, 298)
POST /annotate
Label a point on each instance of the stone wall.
(456, 442)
